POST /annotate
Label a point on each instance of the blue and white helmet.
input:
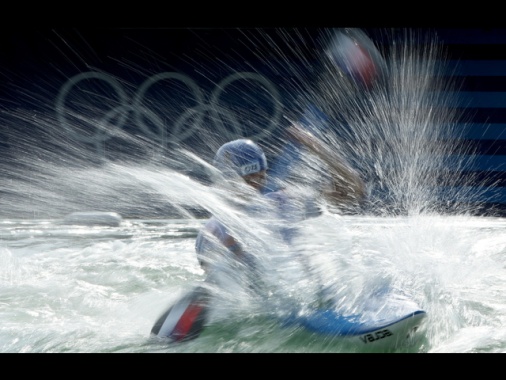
(241, 156)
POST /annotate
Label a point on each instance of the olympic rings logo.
(115, 119)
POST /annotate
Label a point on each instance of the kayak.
(387, 320)
(381, 331)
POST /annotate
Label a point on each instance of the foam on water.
(101, 289)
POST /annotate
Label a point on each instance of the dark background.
(36, 61)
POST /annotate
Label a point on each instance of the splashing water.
(393, 133)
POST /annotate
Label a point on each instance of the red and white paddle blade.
(184, 320)
(356, 55)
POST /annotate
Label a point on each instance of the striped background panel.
(477, 62)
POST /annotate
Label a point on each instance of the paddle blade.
(356, 54)
(186, 319)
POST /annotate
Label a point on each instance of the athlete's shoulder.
(300, 203)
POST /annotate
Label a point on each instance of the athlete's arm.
(347, 187)
(215, 234)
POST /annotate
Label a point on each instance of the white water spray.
(394, 134)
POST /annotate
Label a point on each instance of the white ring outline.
(100, 136)
(136, 107)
